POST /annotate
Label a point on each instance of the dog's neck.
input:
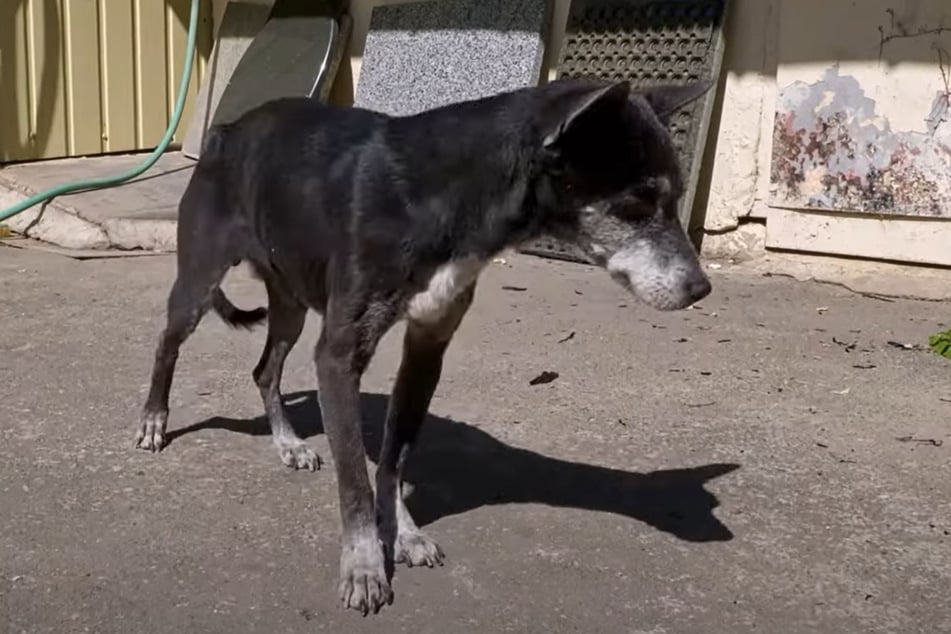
(479, 196)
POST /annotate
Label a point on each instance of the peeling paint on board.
(832, 151)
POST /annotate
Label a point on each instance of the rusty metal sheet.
(832, 150)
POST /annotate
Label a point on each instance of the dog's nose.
(699, 288)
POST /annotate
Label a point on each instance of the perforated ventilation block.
(647, 42)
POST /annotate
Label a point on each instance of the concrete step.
(138, 215)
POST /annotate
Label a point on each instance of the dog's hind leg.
(188, 301)
(424, 346)
(203, 260)
(285, 322)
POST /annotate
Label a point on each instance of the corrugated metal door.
(93, 76)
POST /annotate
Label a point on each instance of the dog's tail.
(234, 316)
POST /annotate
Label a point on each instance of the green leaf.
(940, 343)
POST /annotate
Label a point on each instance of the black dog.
(369, 219)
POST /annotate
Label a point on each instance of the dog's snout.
(698, 288)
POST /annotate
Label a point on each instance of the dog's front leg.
(341, 359)
(424, 345)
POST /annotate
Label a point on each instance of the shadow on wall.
(875, 33)
(751, 37)
(761, 32)
(457, 468)
(18, 138)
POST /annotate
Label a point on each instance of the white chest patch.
(447, 282)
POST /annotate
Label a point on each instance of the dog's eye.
(655, 192)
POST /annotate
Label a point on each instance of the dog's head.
(609, 181)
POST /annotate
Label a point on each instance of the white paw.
(297, 455)
(151, 434)
(414, 548)
(363, 583)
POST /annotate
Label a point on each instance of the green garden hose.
(110, 181)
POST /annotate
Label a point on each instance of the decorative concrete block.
(423, 55)
(295, 53)
(239, 24)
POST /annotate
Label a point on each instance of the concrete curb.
(59, 223)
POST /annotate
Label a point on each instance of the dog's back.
(294, 183)
(279, 180)
(293, 140)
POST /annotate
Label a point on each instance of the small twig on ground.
(934, 442)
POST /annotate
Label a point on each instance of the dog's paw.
(414, 548)
(297, 455)
(363, 583)
(151, 434)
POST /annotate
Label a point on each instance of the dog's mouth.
(656, 300)
(624, 280)
(670, 303)
(661, 284)
(661, 295)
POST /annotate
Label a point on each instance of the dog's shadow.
(457, 467)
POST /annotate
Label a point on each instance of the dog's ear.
(667, 99)
(571, 108)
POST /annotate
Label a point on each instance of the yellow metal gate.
(81, 77)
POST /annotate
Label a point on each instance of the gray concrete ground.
(766, 462)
